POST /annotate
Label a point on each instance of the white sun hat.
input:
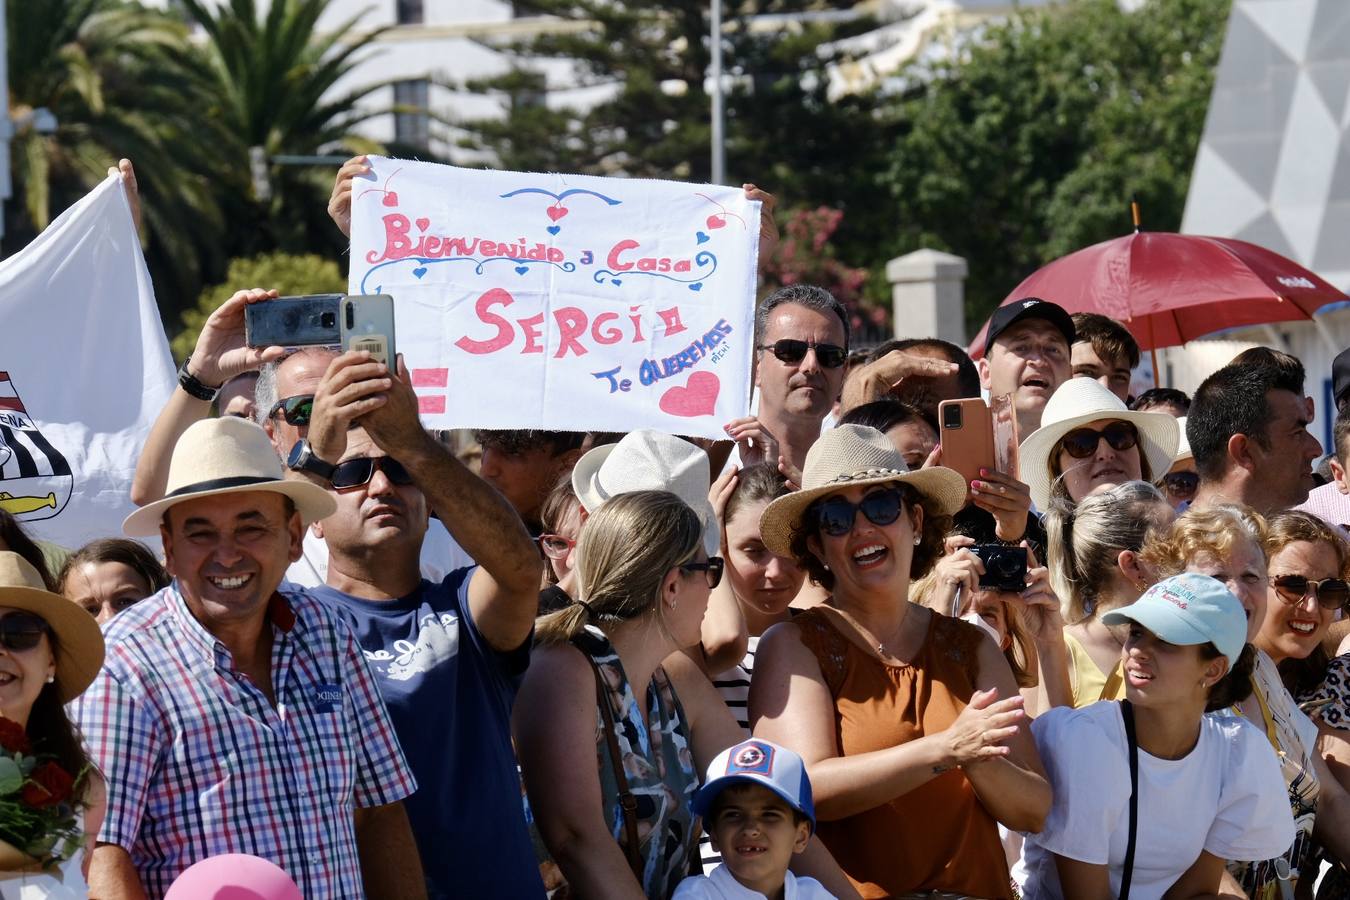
(649, 460)
(1079, 402)
(1183, 445)
(227, 455)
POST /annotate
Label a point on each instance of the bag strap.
(627, 801)
(1127, 713)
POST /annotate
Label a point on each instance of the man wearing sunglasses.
(445, 653)
(1248, 430)
(801, 335)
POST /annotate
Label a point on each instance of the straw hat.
(79, 643)
(649, 461)
(847, 456)
(1079, 402)
(227, 455)
(1183, 445)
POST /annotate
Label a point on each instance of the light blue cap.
(1189, 609)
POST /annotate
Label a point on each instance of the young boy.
(756, 806)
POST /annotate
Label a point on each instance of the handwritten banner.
(562, 302)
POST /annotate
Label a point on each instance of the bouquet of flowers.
(39, 823)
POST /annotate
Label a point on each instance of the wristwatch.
(193, 386)
(302, 459)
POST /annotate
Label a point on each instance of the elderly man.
(234, 717)
(446, 654)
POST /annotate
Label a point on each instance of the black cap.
(1010, 314)
(1340, 376)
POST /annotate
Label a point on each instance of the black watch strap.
(193, 386)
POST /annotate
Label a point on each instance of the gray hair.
(265, 392)
(806, 295)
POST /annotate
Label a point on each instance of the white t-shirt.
(722, 885)
(441, 555)
(1226, 796)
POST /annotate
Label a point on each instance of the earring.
(918, 541)
(51, 678)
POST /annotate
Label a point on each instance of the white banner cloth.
(84, 370)
(562, 302)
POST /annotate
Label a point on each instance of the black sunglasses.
(1181, 484)
(359, 470)
(835, 516)
(1082, 442)
(295, 410)
(712, 570)
(1331, 593)
(790, 351)
(22, 631)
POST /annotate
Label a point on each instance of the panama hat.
(847, 456)
(1183, 445)
(649, 461)
(1079, 402)
(227, 455)
(79, 643)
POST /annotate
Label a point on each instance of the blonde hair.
(1292, 526)
(1084, 541)
(622, 557)
(1212, 532)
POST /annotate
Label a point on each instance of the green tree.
(115, 78)
(1031, 140)
(288, 273)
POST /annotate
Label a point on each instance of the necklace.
(869, 635)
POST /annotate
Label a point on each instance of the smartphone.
(967, 437)
(368, 324)
(1006, 438)
(306, 321)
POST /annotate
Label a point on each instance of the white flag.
(84, 371)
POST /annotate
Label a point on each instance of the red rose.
(47, 786)
(13, 737)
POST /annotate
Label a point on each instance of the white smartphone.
(368, 324)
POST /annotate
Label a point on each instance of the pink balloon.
(234, 876)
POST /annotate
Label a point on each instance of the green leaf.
(11, 777)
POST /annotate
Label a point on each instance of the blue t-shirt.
(449, 694)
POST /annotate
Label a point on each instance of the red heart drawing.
(556, 212)
(390, 198)
(698, 398)
(716, 221)
(422, 223)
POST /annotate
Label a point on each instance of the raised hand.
(340, 203)
(221, 353)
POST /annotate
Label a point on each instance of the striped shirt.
(199, 763)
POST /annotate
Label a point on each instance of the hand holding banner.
(562, 302)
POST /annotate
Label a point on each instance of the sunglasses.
(790, 351)
(555, 546)
(295, 410)
(712, 570)
(1181, 484)
(835, 516)
(22, 631)
(1082, 442)
(1331, 593)
(359, 470)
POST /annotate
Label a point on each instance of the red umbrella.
(1168, 289)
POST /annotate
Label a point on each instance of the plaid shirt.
(198, 763)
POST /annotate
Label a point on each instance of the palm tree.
(114, 76)
(271, 83)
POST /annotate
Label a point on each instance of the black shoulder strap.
(1127, 713)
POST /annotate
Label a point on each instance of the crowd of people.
(782, 665)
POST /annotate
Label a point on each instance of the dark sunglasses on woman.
(712, 570)
(1331, 593)
(1082, 442)
(1181, 485)
(295, 410)
(21, 631)
(790, 351)
(359, 470)
(835, 516)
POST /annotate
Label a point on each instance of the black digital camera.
(1005, 568)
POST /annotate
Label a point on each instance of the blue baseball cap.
(1189, 609)
(760, 762)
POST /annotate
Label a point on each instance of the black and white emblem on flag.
(35, 479)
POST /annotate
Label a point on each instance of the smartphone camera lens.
(328, 320)
(951, 417)
(351, 314)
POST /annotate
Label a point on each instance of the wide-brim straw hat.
(1079, 402)
(1183, 445)
(227, 455)
(845, 457)
(649, 461)
(79, 643)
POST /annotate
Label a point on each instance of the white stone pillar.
(928, 295)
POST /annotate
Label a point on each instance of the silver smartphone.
(367, 323)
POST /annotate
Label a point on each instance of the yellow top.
(1086, 680)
